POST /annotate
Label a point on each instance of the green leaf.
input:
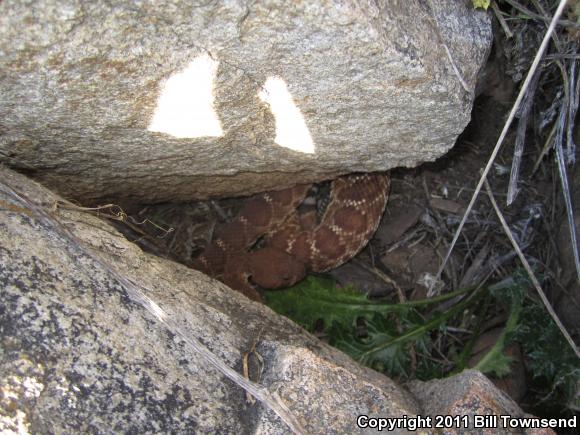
(377, 334)
(418, 330)
(318, 298)
(495, 362)
(372, 349)
(511, 292)
(553, 365)
(484, 4)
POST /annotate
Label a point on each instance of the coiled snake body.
(294, 244)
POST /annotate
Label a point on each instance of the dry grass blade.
(547, 146)
(504, 131)
(527, 103)
(563, 127)
(498, 15)
(137, 294)
(560, 56)
(115, 212)
(526, 265)
(383, 276)
(477, 270)
(531, 14)
(568, 203)
(573, 100)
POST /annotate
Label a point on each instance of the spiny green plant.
(391, 331)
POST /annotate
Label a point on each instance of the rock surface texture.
(470, 394)
(81, 354)
(159, 101)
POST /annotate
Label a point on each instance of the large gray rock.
(79, 353)
(88, 90)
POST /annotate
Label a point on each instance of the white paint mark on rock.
(291, 129)
(185, 106)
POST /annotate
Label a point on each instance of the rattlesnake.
(293, 244)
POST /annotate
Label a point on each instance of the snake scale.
(271, 244)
